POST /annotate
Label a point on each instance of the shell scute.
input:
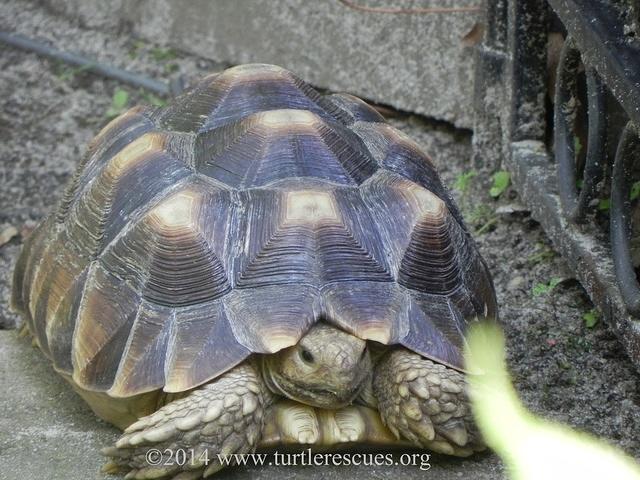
(269, 146)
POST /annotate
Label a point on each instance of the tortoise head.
(327, 368)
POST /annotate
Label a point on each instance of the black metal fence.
(558, 99)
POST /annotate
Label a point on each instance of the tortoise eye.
(306, 355)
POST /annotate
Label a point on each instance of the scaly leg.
(426, 403)
(222, 417)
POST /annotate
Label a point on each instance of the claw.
(189, 422)
(159, 434)
(138, 425)
(456, 432)
(424, 428)
(131, 475)
(213, 467)
(123, 441)
(110, 468)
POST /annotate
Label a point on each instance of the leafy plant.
(163, 54)
(171, 67)
(482, 217)
(545, 288)
(541, 254)
(501, 181)
(463, 181)
(136, 46)
(591, 318)
(119, 102)
(577, 145)
(67, 73)
(604, 204)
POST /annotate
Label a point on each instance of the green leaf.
(591, 318)
(554, 282)
(120, 99)
(545, 288)
(163, 54)
(118, 103)
(577, 145)
(539, 289)
(635, 191)
(171, 67)
(604, 204)
(500, 183)
(463, 180)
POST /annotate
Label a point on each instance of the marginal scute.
(267, 319)
(202, 347)
(369, 310)
(62, 322)
(146, 350)
(52, 278)
(26, 266)
(423, 335)
(103, 328)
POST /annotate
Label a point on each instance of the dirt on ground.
(564, 369)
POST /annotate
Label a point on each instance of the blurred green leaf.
(119, 102)
(463, 180)
(501, 181)
(591, 318)
(604, 204)
(545, 288)
(160, 54)
(531, 448)
(577, 145)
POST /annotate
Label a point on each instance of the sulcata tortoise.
(257, 264)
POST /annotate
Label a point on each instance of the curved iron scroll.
(575, 204)
(627, 155)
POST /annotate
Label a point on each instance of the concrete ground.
(562, 369)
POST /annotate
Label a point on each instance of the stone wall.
(419, 63)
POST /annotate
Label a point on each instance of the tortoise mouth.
(312, 394)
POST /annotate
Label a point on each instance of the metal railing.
(557, 88)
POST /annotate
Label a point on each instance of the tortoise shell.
(229, 222)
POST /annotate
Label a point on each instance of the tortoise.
(257, 264)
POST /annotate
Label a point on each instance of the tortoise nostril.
(306, 355)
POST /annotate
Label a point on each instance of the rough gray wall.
(413, 62)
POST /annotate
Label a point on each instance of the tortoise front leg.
(426, 403)
(222, 417)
